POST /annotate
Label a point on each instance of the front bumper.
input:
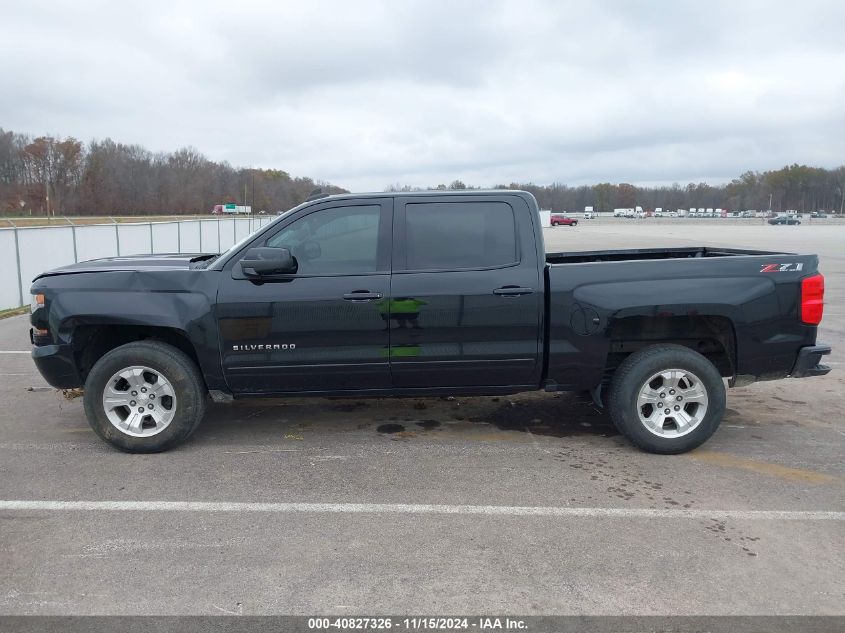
(807, 364)
(56, 364)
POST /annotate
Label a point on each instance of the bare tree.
(57, 165)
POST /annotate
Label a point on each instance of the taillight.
(812, 299)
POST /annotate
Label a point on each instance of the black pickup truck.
(424, 294)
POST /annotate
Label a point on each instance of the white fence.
(28, 251)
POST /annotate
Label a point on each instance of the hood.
(166, 261)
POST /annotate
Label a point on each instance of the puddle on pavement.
(556, 417)
(390, 428)
(425, 425)
(349, 407)
(564, 415)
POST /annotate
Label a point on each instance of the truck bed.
(683, 295)
(649, 253)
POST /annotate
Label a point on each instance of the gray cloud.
(367, 94)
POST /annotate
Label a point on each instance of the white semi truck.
(231, 209)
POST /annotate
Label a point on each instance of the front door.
(323, 328)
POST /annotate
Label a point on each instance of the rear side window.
(452, 235)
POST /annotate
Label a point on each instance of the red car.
(558, 220)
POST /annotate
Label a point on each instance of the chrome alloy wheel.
(139, 401)
(672, 403)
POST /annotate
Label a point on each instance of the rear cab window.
(458, 235)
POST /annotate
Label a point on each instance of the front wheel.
(667, 399)
(144, 397)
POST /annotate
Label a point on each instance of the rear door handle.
(361, 295)
(513, 291)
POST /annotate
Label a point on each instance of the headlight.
(36, 301)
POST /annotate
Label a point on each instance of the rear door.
(467, 293)
(323, 328)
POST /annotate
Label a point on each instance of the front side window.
(340, 240)
(455, 235)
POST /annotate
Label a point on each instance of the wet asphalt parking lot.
(419, 506)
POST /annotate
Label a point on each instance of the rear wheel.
(667, 399)
(144, 397)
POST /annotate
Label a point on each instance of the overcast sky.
(368, 94)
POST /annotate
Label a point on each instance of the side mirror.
(267, 260)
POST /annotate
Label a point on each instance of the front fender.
(182, 301)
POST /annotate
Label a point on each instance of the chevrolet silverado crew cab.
(424, 294)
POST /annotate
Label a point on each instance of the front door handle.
(361, 295)
(513, 291)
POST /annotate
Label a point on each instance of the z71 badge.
(792, 267)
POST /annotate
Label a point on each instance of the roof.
(422, 194)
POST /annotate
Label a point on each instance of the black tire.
(179, 370)
(575, 223)
(632, 375)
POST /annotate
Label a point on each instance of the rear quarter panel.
(759, 294)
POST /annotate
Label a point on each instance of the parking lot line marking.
(415, 508)
(14, 352)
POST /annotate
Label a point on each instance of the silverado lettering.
(266, 347)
